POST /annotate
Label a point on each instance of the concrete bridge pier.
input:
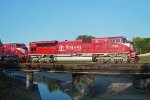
(1, 71)
(29, 80)
(83, 84)
(141, 82)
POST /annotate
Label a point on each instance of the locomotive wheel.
(110, 61)
(94, 58)
(126, 61)
(114, 61)
(101, 61)
(120, 60)
(104, 61)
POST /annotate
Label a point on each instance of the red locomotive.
(14, 52)
(109, 49)
(1, 48)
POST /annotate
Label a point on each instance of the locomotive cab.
(42, 51)
(132, 53)
(113, 50)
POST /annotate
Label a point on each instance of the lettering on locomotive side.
(61, 48)
(70, 47)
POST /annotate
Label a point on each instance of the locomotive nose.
(26, 50)
(22, 50)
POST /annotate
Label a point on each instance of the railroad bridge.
(91, 68)
(139, 71)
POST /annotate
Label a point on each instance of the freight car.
(106, 50)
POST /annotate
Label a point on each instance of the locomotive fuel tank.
(73, 57)
(85, 59)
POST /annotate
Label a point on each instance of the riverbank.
(144, 59)
(12, 89)
(115, 88)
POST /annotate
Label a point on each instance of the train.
(13, 52)
(115, 49)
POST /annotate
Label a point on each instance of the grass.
(144, 59)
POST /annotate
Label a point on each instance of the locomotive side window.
(13, 45)
(117, 40)
(112, 41)
(45, 44)
(124, 40)
(20, 45)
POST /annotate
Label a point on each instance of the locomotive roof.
(110, 37)
(78, 40)
(51, 41)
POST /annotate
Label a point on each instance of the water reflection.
(62, 86)
(83, 84)
(47, 94)
(141, 82)
(52, 88)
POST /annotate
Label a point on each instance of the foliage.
(142, 44)
(85, 38)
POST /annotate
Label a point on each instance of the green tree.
(143, 45)
(85, 38)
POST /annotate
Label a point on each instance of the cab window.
(112, 41)
(118, 41)
(13, 45)
(124, 40)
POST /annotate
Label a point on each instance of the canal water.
(64, 86)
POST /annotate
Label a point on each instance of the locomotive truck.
(105, 50)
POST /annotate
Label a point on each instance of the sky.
(24, 21)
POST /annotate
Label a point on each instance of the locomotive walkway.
(91, 68)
